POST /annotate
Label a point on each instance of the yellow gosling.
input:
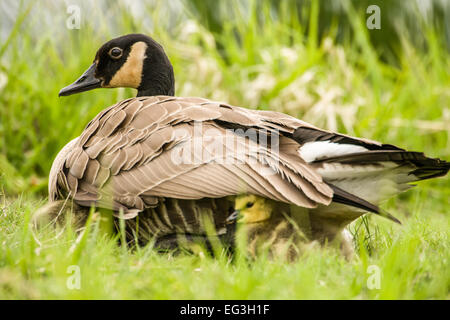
(267, 226)
(251, 208)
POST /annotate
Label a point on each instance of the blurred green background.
(315, 60)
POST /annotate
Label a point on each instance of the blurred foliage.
(397, 17)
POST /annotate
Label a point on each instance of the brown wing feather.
(123, 158)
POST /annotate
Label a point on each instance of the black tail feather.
(425, 167)
(344, 197)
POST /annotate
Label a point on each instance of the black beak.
(86, 82)
(233, 217)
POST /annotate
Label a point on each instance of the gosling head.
(251, 209)
(132, 61)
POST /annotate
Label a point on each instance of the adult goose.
(139, 158)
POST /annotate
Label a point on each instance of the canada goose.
(128, 157)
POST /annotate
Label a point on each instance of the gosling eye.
(115, 53)
(249, 204)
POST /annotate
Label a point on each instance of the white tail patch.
(317, 150)
(372, 182)
(336, 170)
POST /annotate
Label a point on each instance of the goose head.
(132, 61)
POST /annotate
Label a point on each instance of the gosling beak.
(233, 217)
(86, 82)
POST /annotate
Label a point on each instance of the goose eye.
(249, 204)
(115, 53)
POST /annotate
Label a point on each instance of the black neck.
(154, 91)
(158, 78)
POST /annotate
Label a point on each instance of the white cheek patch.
(317, 150)
(130, 74)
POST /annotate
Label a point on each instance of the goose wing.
(145, 148)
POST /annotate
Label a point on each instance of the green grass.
(413, 260)
(262, 60)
